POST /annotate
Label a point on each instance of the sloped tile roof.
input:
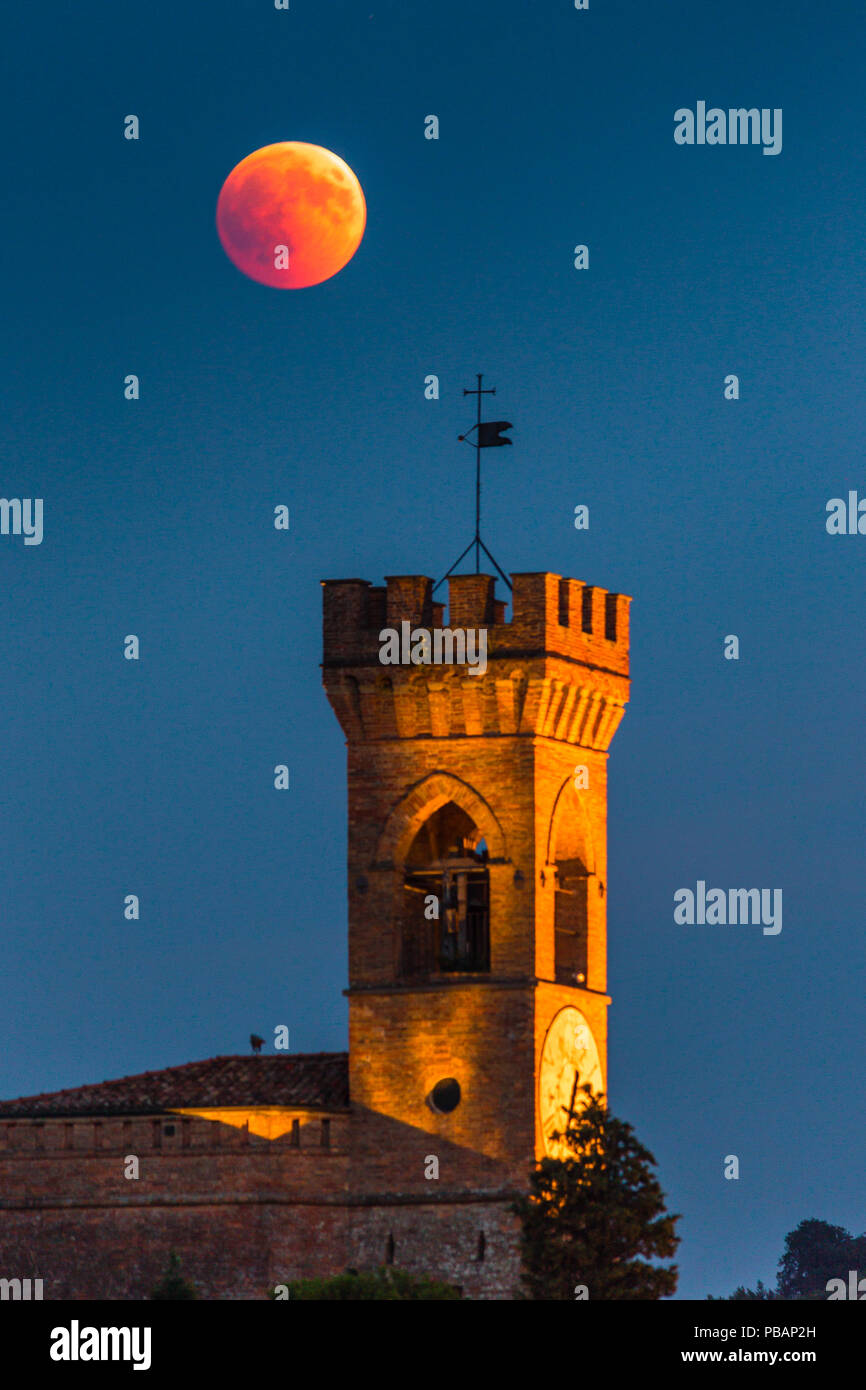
(314, 1080)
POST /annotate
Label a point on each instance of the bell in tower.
(446, 910)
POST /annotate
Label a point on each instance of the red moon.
(291, 215)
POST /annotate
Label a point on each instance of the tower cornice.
(558, 669)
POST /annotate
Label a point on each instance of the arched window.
(571, 852)
(446, 897)
(570, 922)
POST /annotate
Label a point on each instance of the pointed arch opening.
(445, 915)
(571, 853)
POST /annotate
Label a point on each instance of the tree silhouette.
(596, 1219)
(815, 1252)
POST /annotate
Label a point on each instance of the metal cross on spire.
(488, 435)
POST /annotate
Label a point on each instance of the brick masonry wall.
(402, 1044)
(443, 1240)
(231, 1249)
(245, 1218)
(242, 1212)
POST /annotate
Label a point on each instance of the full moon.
(291, 215)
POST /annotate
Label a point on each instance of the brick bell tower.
(477, 897)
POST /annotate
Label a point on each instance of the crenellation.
(410, 599)
(535, 609)
(552, 617)
(599, 604)
(170, 1135)
(345, 616)
(376, 610)
(470, 600)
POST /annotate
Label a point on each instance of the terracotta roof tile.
(314, 1080)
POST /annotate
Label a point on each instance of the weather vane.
(488, 435)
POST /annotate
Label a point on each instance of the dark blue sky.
(156, 777)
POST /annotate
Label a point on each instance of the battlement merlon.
(551, 616)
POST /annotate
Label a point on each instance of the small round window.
(445, 1096)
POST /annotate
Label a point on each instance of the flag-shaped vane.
(490, 433)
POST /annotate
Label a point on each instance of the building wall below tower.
(441, 1240)
(242, 1213)
(230, 1249)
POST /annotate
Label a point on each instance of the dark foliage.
(384, 1283)
(597, 1219)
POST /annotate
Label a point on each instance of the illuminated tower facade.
(477, 801)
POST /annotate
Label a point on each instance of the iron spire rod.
(478, 393)
(476, 541)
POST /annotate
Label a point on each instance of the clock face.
(569, 1059)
